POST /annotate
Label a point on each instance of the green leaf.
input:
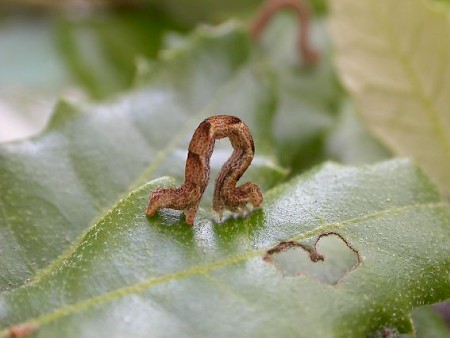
(393, 56)
(429, 324)
(133, 276)
(55, 185)
(101, 50)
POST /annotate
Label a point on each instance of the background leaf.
(30, 83)
(348, 141)
(133, 276)
(307, 97)
(190, 12)
(429, 324)
(74, 55)
(394, 60)
(101, 50)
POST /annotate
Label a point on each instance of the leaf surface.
(130, 275)
(394, 58)
(55, 185)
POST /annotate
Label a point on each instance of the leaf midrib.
(206, 268)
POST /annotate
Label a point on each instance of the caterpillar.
(197, 171)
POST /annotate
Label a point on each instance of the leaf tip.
(62, 111)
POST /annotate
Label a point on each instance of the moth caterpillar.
(197, 171)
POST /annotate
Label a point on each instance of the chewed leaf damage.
(330, 259)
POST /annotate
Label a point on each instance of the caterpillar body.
(197, 171)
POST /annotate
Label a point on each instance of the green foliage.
(101, 51)
(349, 142)
(80, 259)
(308, 97)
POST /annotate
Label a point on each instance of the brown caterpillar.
(226, 194)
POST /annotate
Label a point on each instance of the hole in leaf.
(329, 260)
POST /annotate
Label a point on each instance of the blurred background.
(88, 49)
